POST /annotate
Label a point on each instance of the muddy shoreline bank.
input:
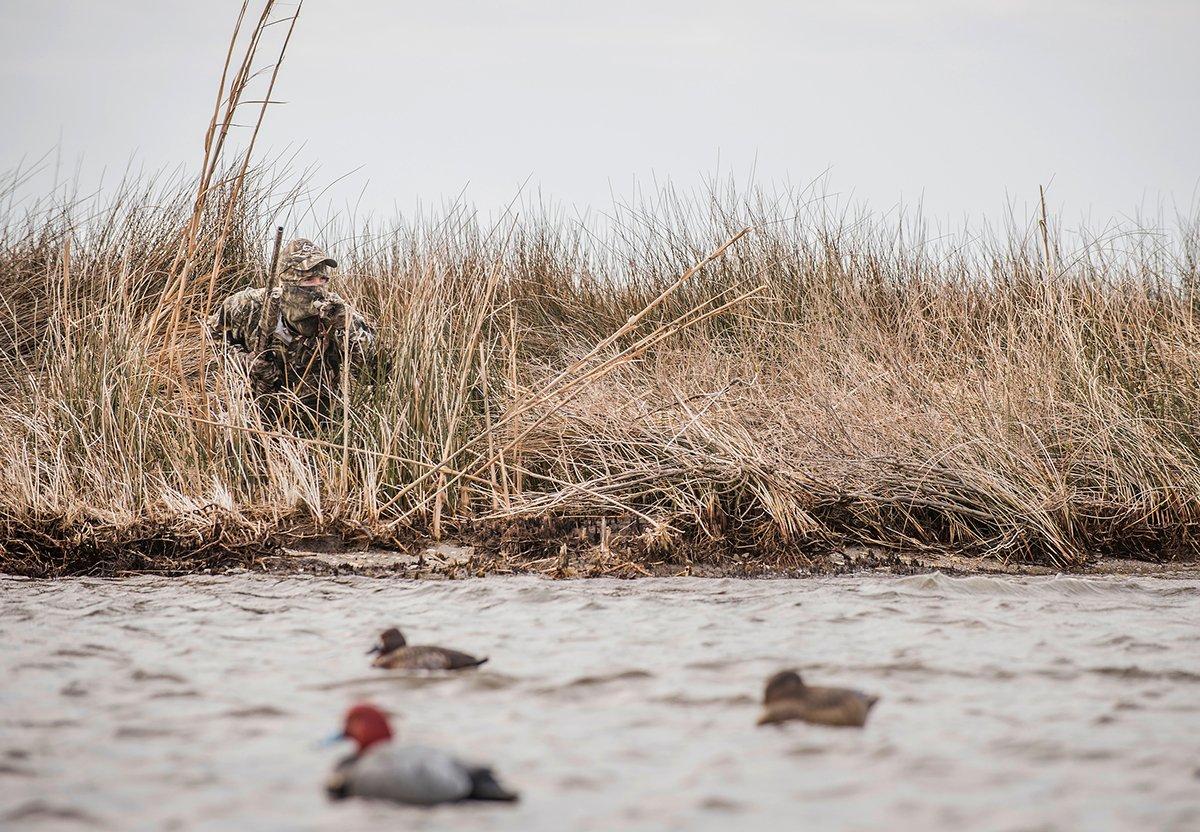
(543, 548)
(456, 560)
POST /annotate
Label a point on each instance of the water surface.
(1008, 703)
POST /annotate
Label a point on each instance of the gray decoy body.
(394, 653)
(787, 697)
(413, 774)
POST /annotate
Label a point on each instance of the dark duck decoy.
(397, 654)
(412, 774)
(787, 697)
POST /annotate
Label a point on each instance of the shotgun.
(271, 307)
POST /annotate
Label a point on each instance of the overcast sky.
(962, 104)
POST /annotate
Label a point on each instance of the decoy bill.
(787, 698)
(394, 653)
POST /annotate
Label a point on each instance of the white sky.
(962, 104)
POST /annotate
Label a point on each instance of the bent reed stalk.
(583, 400)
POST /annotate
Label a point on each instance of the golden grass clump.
(661, 387)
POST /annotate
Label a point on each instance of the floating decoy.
(395, 654)
(787, 697)
(405, 773)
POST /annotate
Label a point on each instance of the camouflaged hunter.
(304, 352)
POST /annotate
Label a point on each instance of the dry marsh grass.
(659, 388)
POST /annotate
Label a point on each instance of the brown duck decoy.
(787, 697)
(397, 654)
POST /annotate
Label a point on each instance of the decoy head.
(366, 725)
(389, 640)
(786, 684)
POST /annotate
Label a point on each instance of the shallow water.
(1008, 703)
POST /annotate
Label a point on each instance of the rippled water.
(1008, 703)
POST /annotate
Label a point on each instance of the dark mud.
(213, 543)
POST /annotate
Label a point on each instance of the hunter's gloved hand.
(335, 314)
(266, 374)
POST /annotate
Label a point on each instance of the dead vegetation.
(582, 404)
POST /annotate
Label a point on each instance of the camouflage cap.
(301, 255)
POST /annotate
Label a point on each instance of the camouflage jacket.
(304, 354)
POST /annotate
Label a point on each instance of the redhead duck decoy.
(787, 697)
(405, 774)
(395, 654)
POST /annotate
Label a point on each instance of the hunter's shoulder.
(249, 295)
(238, 309)
(246, 300)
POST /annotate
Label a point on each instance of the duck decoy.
(413, 774)
(787, 697)
(395, 653)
